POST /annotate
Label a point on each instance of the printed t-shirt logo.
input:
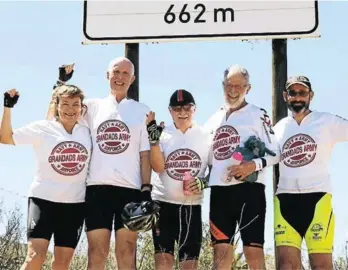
(68, 158)
(299, 150)
(113, 137)
(226, 140)
(182, 160)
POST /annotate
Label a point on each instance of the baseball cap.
(181, 97)
(298, 80)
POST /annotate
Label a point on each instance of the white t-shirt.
(183, 152)
(306, 151)
(234, 131)
(62, 160)
(118, 135)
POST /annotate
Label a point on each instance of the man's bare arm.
(65, 74)
(145, 167)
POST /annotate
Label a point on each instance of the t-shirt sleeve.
(29, 134)
(339, 129)
(161, 143)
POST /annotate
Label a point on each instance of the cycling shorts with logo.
(243, 204)
(306, 215)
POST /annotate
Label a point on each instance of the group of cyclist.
(96, 156)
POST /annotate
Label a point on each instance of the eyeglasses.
(293, 93)
(236, 86)
(186, 108)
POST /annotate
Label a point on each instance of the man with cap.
(176, 151)
(237, 192)
(306, 139)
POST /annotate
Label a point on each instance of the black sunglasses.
(293, 93)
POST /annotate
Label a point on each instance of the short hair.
(236, 69)
(119, 60)
(67, 90)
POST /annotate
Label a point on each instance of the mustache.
(297, 103)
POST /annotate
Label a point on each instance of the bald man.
(119, 170)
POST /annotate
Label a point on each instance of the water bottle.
(187, 176)
(236, 159)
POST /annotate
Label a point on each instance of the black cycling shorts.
(238, 204)
(62, 220)
(105, 203)
(180, 224)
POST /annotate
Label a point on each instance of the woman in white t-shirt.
(56, 196)
(181, 148)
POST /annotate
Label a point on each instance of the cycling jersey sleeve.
(268, 137)
(339, 129)
(29, 134)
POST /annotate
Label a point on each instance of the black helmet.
(140, 217)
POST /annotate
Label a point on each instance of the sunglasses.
(293, 93)
(186, 108)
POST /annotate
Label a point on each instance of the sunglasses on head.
(293, 93)
(186, 108)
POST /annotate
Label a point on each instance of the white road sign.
(162, 21)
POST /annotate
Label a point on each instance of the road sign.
(163, 21)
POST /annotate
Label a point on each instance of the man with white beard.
(239, 198)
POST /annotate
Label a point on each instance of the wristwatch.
(146, 187)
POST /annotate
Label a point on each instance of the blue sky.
(36, 37)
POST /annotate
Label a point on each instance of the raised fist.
(66, 72)
(10, 98)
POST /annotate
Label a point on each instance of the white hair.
(236, 70)
(118, 60)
